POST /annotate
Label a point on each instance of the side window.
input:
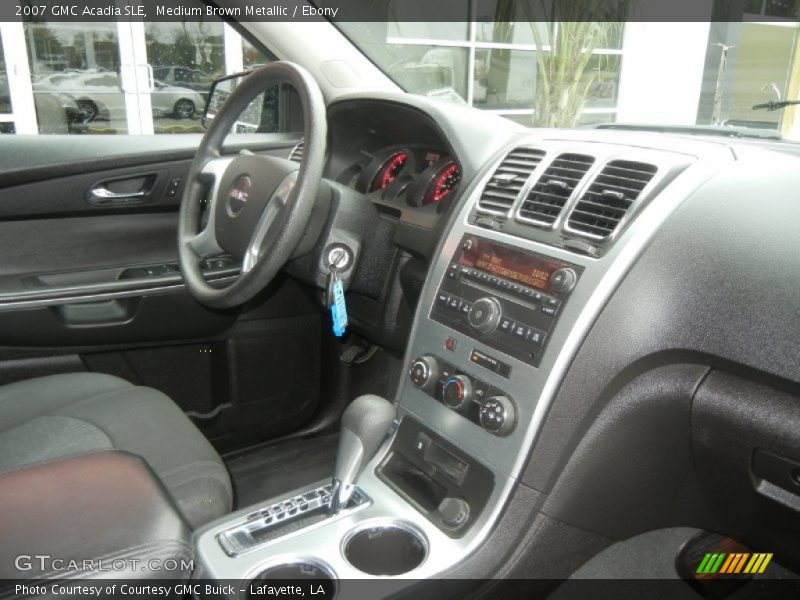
(121, 78)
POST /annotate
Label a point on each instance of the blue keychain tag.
(338, 309)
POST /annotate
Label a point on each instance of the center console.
(503, 311)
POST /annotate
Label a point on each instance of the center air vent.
(506, 184)
(297, 152)
(609, 197)
(548, 196)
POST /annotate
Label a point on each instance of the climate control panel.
(474, 399)
(504, 297)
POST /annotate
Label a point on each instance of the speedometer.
(446, 181)
(389, 170)
(435, 183)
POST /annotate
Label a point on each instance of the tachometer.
(389, 171)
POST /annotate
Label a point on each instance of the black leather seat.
(66, 415)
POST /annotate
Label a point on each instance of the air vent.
(297, 152)
(548, 196)
(506, 184)
(600, 210)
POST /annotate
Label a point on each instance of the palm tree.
(575, 29)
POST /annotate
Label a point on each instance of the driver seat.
(57, 416)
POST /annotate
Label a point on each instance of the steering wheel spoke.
(205, 243)
(269, 217)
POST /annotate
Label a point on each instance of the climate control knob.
(457, 391)
(424, 372)
(498, 415)
(485, 314)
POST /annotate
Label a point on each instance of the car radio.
(504, 297)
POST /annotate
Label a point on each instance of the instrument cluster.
(411, 175)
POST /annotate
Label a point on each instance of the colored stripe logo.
(734, 563)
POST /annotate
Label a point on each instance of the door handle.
(102, 193)
(102, 196)
(135, 189)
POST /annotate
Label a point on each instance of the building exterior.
(144, 78)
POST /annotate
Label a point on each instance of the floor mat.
(267, 471)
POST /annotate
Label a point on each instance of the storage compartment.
(435, 477)
(746, 445)
(385, 548)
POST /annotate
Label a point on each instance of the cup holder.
(299, 571)
(385, 548)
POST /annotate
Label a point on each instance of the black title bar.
(83, 11)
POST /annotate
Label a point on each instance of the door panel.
(256, 379)
(28, 159)
(87, 286)
(83, 243)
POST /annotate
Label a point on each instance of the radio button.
(465, 307)
(521, 331)
(563, 280)
(536, 337)
(506, 325)
(454, 303)
(549, 310)
(485, 314)
(442, 298)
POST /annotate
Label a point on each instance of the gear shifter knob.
(364, 425)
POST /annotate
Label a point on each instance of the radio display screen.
(509, 263)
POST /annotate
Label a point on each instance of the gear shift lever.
(364, 425)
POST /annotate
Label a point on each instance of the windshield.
(733, 77)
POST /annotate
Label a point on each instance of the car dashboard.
(537, 235)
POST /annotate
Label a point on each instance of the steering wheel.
(258, 206)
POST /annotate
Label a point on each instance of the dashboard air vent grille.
(297, 152)
(508, 180)
(600, 210)
(548, 196)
